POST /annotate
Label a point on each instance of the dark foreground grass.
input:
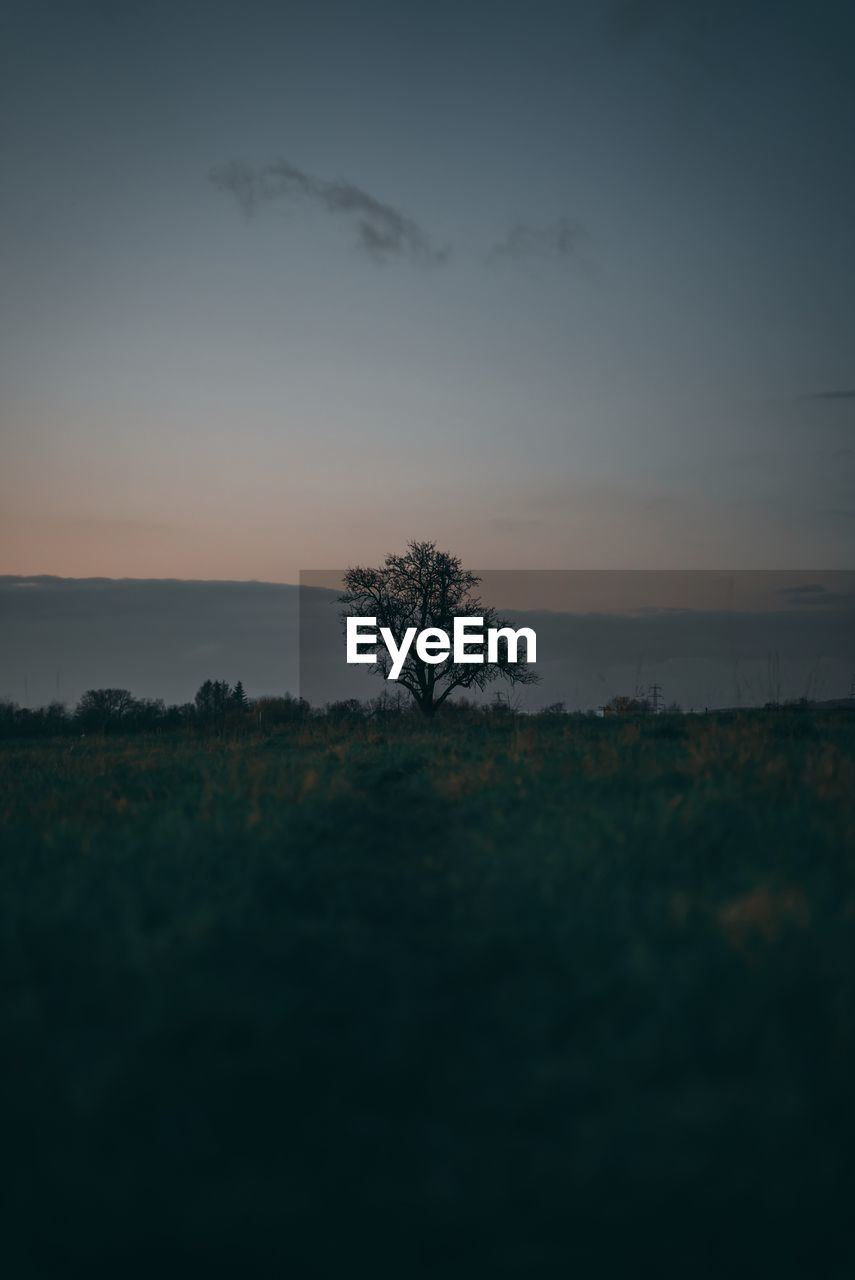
(531, 998)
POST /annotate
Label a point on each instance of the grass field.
(504, 997)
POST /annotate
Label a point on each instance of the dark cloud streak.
(382, 231)
(557, 240)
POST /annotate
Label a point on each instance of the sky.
(557, 285)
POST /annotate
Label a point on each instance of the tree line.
(217, 706)
(220, 708)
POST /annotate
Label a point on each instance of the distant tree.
(8, 717)
(55, 717)
(178, 716)
(239, 698)
(146, 714)
(213, 702)
(101, 709)
(622, 705)
(30, 722)
(212, 699)
(424, 588)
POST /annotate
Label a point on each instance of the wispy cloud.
(383, 232)
(810, 593)
(556, 240)
(847, 393)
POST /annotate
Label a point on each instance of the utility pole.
(656, 698)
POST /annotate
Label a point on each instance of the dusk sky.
(558, 285)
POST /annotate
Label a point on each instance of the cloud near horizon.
(382, 231)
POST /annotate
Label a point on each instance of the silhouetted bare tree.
(425, 588)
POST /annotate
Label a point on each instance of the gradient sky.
(559, 285)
